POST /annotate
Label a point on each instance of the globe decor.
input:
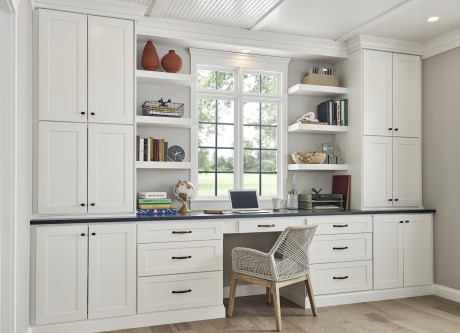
(183, 191)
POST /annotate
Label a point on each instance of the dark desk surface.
(199, 215)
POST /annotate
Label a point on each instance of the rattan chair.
(286, 263)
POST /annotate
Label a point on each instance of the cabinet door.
(377, 171)
(112, 270)
(110, 169)
(62, 66)
(418, 250)
(407, 95)
(110, 70)
(62, 168)
(61, 272)
(407, 172)
(388, 251)
(377, 93)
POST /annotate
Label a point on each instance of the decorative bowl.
(315, 157)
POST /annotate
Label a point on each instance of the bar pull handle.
(182, 291)
(407, 221)
(183, 257)
(340, 248)
(396, 129)
(390, 199)
(182, 232)
(340, 225)
(396, 199)
(340, 277)
(390, 129)
(266, 225)
(401, 221)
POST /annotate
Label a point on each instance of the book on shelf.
(333, 112)
(153, 201)
(154, 206)
(169, 211)
(341, 185)
(147, 195)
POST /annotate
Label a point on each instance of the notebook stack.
(154, 203)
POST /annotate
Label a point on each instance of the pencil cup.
(276, 204)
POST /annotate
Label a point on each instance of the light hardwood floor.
(427, 314)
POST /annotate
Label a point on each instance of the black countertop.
(199, 215)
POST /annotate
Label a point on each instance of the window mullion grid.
(215, 148)
(239, 133)
(260, 145)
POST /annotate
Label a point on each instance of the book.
(170, 211)
(341, 185)
(323, 112)
(141, 150)
(154, 201)
(146, 150)
(137, 148)
(154, 206)
(145, 195)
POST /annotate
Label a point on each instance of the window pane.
(225, 183)
(225, 136)
(206, 184)
(269, 184)
(251, 181)
(251, 137)
(269, 113)
(206, 135)
(225, 113)
(268, 137)
(268, 160)
(251, 113)
(207, 110)
(251, 160)
(268, 84)
(251, 83)
(225, 160)
(206, 159)
(206, 79)
(225, 81)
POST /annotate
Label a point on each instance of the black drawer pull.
(396, 129)
(396, 199)
(340, 277)
(340, 248)
(266, 225)
(390, 129)
(407, 221)
(401, 221)
(390, 199)
(182, 291)
(183, 257)
(83, 234)
(340, 225)
(182, 232)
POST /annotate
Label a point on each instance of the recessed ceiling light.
(432, 19)
(245, 51)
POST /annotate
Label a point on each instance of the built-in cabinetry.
(82, 272)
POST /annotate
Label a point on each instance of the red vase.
(171, 62)
(150, 59)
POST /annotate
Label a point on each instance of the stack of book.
(154, 203)
(333, 112)
(150, 149)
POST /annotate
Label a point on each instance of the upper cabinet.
(391, 94)
(85, 68)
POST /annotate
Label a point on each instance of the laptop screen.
(243, 199)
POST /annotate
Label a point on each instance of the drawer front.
(169, 292)
(338, 248)
(341, 277)
(179, 257)
(269, 224)
(351, 224)
(172, 231)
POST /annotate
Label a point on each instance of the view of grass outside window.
(253, 113)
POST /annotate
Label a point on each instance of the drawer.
(179, 257)
(169, 292)
(341, 277)
(269, 224)
(163, 232)
(350, 224)
(337, 248)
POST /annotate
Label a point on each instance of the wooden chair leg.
(231, 299)
(276, 305)
(269, 295)
(311, 297)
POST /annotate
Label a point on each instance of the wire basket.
(163, 109)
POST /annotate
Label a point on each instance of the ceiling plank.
(275, 12)
(156, 8)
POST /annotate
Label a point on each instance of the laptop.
(245, 202)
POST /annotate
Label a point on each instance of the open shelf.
(165, 165)
(164, 121)
(318, 167)
(312, 128)
(173, 79)
(315, 90)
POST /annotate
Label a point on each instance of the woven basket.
(308, 158)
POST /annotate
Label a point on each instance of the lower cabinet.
(82, 272)
(403, 250)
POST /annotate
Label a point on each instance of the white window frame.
(241, 64)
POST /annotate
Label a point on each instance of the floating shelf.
(312, 128)
(173, 79)
(315, 90)
(164, 121)
(318, 167)
(165, 165)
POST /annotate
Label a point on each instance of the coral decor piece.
(308, 158)
(171, 62)
(150, 59)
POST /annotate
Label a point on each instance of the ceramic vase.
(171, 62)
(150, 59)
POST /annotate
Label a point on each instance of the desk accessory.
(183, 192)
(176, 154)
(213, 211)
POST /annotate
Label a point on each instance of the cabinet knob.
(390, 199)
(396, 199)
(83, 234)
(93, 233)
(92, 113)
(83, 112)
(93, 204)
(82, 204)
(390, 129)
(407, 221)
(396, 129)
(401, 221)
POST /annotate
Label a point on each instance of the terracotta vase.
(150, 59)
(171, 62)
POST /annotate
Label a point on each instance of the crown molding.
(441, 44)
(383, 44)
(111, 8)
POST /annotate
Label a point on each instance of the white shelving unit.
(312, 128)
(166, 165)
(171, 79)
(316, 91)
(317, 167)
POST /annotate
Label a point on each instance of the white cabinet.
(403, 251)
(392, 172)
(391, 94)
(65, 287)
(80, 172)
(85, 68)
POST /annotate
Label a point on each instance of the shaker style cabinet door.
(62, 66)
(407, 172)
(62, 168)
(110, 70)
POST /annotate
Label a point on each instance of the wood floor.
(427, 314)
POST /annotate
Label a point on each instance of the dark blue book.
(323, 113)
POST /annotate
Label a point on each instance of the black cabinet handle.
(340, 225)
(390, 129)
(401, 221)
(93, 204)
(183, 257)
(266, 225)
(182, 232)
(390, 199)
(396, 199)
(340, 277)
(407, 221)
(93, 233)
(340, 248)
(83, 234)
(82, 204)
(83, 112)
(182, 291)
(396, 129)
(92, 113)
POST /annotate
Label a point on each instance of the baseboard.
(446, 292)
(245, 290)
